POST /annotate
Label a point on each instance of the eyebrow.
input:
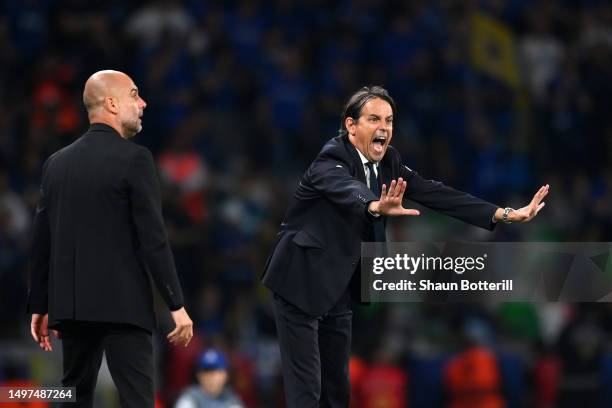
(373, 115)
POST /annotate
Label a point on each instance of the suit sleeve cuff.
(174, 308)
(370, 216)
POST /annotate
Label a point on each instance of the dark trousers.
(129, 355)
(315, 354)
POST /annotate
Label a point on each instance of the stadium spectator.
(212, 390)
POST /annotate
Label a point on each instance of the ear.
(350, 125)
(110, 104)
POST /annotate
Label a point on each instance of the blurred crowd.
(241, 96)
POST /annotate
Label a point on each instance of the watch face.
(505, 216)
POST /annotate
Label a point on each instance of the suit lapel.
(384, 171)
(352, 152)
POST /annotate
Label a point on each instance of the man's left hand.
(527, 213)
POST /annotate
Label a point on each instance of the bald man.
(98, 240)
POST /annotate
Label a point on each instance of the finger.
(402, 190)
(404, 187)
(542, 193)
(532, 210)
(407, 211)
(401, 186)
(397, 187)
(44, 343)
(185, 338)
(178, 335)
(537, 197)
(383, 192)
(391, 192)
(34, 334)
(173, 335)
(540, 207)
(190, 336)
(47, 343)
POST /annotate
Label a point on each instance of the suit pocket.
(305, 240)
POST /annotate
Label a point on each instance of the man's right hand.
(390, 202)
(183, 331)
(39, 327)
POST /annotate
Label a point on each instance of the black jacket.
(318, 248)
(99, 234)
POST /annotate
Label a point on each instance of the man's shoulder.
(62, 154)
(137, 149)
(393, 159)
(334, 144)
(91, 148)
(393, 153)
(106, 139)
(336, 148)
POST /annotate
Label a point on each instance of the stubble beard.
(132, 127)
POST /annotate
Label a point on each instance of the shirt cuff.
(373, 214)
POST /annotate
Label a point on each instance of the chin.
(377, 156)
(132, 132)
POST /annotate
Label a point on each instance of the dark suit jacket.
(99, 233)
(318, 247)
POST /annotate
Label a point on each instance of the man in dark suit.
(98, 238)
(315, 261)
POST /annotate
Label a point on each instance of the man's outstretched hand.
(527, 213)
(390, 202)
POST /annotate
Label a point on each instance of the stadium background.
(494, 97)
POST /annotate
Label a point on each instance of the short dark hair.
(355, 104)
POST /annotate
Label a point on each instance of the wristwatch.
(505, 215)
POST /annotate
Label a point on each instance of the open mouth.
(378, 143)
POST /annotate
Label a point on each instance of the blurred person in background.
(212, 390)
(339, 203)
(98, 232)
(472, 377)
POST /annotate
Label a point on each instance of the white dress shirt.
(366, 168)
(367, 173)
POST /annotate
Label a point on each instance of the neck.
(106, 121)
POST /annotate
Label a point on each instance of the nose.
(143, 103)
